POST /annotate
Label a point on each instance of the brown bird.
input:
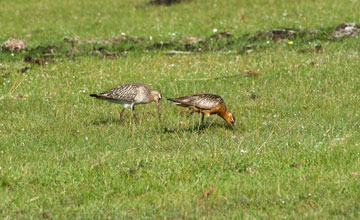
(130, 95)
(207, 104)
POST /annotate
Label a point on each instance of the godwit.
(130, 95)
(207, 104)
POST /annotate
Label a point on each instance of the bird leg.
(202, 119)
(121, 114)
(207, 119)
(133, 110)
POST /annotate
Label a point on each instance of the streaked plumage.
(130, 95)
(207, 104)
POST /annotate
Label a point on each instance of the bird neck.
(222, 111)
(154, 96)
(223, 114)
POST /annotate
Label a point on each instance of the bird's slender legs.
(200, 126)
(121, 114)
(133, 110)
(207, 119)
(202, 119)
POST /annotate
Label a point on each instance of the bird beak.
(158, 109)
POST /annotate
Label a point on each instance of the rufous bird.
(207, 104)
(130, 95)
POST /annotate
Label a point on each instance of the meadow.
(294, 152)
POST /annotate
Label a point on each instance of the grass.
(294, 152)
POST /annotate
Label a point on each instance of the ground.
(293, 154)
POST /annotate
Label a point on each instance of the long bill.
(158, 109)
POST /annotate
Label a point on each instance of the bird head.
(156, 96)
(230, 119)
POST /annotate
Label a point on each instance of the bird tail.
(171, 99)
(94, 95)
(175, 101)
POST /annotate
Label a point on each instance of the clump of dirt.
(345, 30)
(190, 43)
(193, 40)
(252, 73)
(202, 44)
(160, 45)
(46, 51)
(317, 48)
(277, 34)
(221, 35)
(340, 31)
(14, 45)
(112, 40)
(102, 51)
(284, 33)
(224, 41)
(165, 2)
(249, 48)
(29, 59)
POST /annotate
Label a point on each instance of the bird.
(206, 104)
(130, 95)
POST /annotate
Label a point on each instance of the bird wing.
(202, 101)
(126, 92)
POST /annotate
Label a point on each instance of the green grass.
(63, 154)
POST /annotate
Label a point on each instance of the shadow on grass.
(106, 121)
(126, 119)
(195, 129)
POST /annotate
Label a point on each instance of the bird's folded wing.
(125, 92)
(202, 101)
